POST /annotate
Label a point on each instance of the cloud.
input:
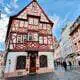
(55, 19)
(15, 1)
(7, 10)
(14, 4)
(2, 46)
(59, 23)
(3, 27)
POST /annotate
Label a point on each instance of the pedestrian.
(70, 64)
(65, 65)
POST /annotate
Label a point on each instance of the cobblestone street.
(59, 74)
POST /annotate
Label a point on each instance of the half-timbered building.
(29, 42)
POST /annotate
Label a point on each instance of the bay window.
(41, 40)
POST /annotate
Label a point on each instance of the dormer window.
(30, 20)
(21, 23)
(33, 21)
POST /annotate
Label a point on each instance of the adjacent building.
(2, 54)
(75, 37)
(29, 42)
(57, 50)
(66, 43)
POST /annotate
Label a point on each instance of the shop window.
(43, 61)
(21, 62)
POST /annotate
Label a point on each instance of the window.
(50, 40)
(41, 40)
(30, 20)
(30, 37)
(33, 21)
(16, 23)
(21, 62)
(49, 28)
(26, 24)
(21, 23)
(43, 61)
(40, 26)
(45, 40)
(44, 26)
(35, 37)
(19, 39)
(25, 37)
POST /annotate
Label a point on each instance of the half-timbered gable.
(33, 9)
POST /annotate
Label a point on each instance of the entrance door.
(33, 62)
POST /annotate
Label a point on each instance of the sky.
(61, 12)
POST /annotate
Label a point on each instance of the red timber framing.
(31, 27)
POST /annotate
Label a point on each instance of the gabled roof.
(39, 7)
(11, 17)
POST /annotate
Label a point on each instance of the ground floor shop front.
(23, 63)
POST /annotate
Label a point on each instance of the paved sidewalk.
(59, 74)
(67, 75)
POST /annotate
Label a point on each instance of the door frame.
(30, 53)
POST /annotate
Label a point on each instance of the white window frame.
(21, 24)
(31, 20)
(35, 37)
(41, 40)
(19, 37)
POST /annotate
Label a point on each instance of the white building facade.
(66, 43)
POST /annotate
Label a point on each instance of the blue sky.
(60, 11)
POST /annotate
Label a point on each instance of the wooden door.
(32, 63)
